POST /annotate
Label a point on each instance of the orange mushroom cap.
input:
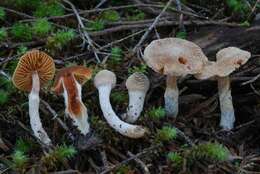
(80, 73)
(30, 62)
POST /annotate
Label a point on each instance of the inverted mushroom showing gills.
(174, 57)
(228, 60)
(68, 82)
(104, 81)
(34, 69)
(137, 85)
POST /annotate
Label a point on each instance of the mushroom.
(35, 68)
(174, 57)
(228, 60)
(137, 85)
(68, 82)
(104, 81)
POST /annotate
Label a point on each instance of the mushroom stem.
(226, 105)
(132, 131)
(35, 120)
(80, 120)
(171, 96)
(135, 106)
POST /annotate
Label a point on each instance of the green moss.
(3, 34)
(175, 159)
(41, 27)
(60, 39)
(21, 32)
(141, 68)
(2, 14)
(27, 4)
(181, 35)
(119, 97)
(110, 15)
(135, 15)
(116, 55)
(21, 50)
(4, 97)
(19, 160)
(156, 113)
(209, 151)
(96, 25)
(167, 133)
(238, 6)
(51, 8)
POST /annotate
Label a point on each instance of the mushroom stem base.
(171, 97)
(226, 105)
(126, 129)
(35, 120)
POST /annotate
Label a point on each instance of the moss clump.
(22, 32)
(19, 161)
(167, 133)
(2, 14)
(156, 113)
(110, 15)
(4, 97)
(119, 97)
(175, 159)
(209, 151)
(96, 25)
(116, 55)
(60, 39)
(141, 68)
(3, 34)
(52, 8)
(41, 27)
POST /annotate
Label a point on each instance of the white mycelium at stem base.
(35, 120)
(226, 106)
(104, 81)
(81, 120)
(171, 96)
(137, 85)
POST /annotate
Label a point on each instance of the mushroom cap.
(30, 62)
(138, 82)
(105, 77)
(228, 60)
(174, 56)
(80, 73)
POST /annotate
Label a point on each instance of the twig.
(186, 138)
(151, 27)
(55, 117)
(130, 159)
(140, 162)
(101, 3)
(181, 25)
(18, 13)
(86, 37)
(251, 80)
(66, 172)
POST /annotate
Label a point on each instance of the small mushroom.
(35, 68)
(104, 81)
(228, 60)
(174, 57)
(137, 85)
(68, 82)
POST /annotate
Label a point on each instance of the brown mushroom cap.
(174, 56)
(80, 73)
(228, 60)
(30, 62)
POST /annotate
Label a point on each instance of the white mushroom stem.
(80, 121)
(135, 106)
(226, 105)
(171, 96)
(129, 130)
(35, 120)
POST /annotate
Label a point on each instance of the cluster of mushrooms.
(172, 57)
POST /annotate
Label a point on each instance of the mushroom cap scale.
(138, 82)
(105, 77)
(174, 56)
(228, 60)
(80, 73)
(30, 62)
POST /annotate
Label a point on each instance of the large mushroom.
(137, 85)
(68, 82)
(174, 57)
(34, 69)
(227, 60)
(104, 81)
